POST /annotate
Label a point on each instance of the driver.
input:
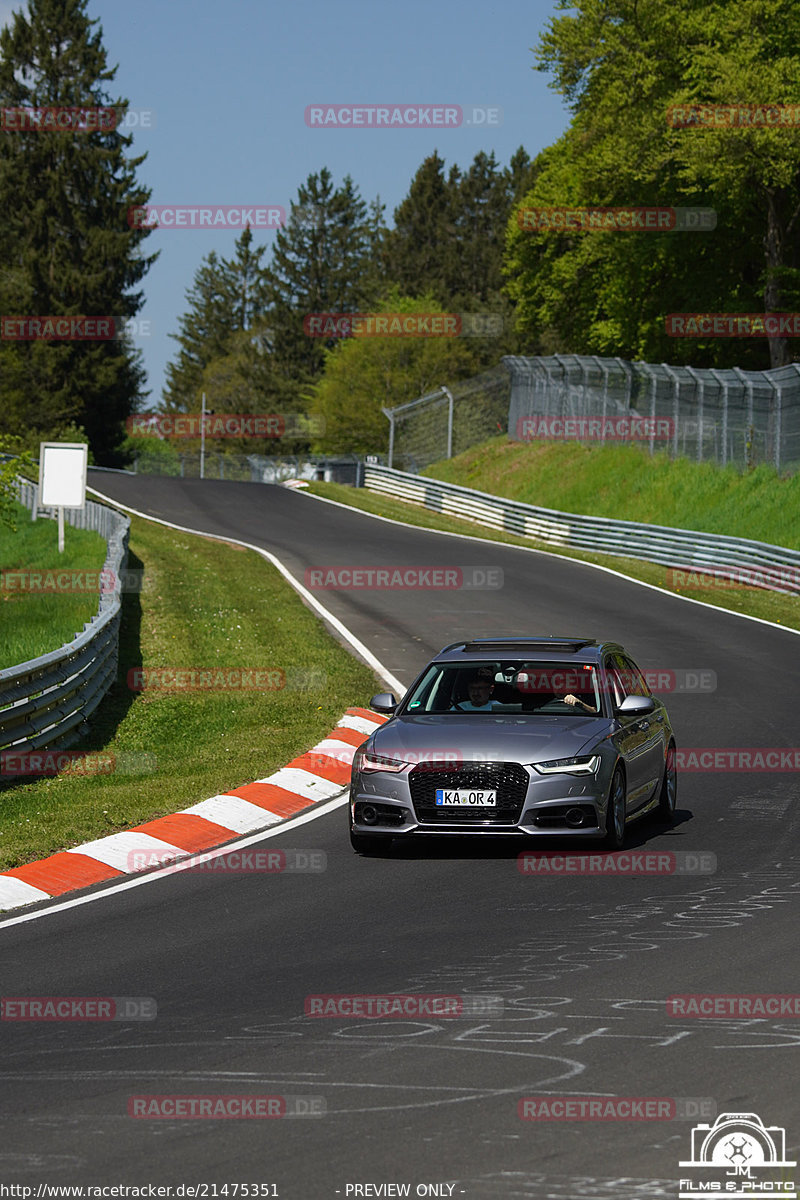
(480, 689)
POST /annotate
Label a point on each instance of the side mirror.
(384, 702)
(636, 706)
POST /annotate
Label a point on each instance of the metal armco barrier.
(775, 567)
(48, 700)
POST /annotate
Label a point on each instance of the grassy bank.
(628, 483)
(35, 622)
(204, 605)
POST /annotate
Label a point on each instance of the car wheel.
(369, 843)
(615, 812)
(668, 795)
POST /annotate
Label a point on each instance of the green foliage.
(621, 66)
(365, 374)
(226, 302)
(324, 261)
(18, 462)
(34, 623)
(66, 247)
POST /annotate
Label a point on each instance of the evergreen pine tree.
(66, 245)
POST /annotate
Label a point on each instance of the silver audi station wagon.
(535, 736)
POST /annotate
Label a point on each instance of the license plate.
(476, 798)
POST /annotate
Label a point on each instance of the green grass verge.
(627, 482)
(770, 606)
(33, 623)
(209, 605)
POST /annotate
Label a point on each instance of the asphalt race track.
(583, 965)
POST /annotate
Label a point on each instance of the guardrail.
(760, 564)
(47, 701)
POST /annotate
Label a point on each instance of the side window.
(616, 675)
(638, 683)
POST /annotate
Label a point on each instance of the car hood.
(483, 738)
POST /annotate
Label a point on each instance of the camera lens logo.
(737, 1148)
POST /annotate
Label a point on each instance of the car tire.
(615, 812)
(667, 797)
(369, 843)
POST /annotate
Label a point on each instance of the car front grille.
(510, 781)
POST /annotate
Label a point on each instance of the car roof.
(556, 649)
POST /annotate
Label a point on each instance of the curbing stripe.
(342, 752)
(365, 728)
(322, 765)
(117, 848)
(202, 826)
(187, 830)
(63, 872)
(232, 812)
(15, 892)
(303, 783)
(278, 802)
(349, 737)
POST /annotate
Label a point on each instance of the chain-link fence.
(722, 416)
(449, 420)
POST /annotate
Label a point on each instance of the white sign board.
(62, 474)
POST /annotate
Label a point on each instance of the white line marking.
(470, 537)
(184, 865)
(311, 599)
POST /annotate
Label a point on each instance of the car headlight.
(587, 765)
(366, 761)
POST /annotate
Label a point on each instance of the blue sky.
(227, 84)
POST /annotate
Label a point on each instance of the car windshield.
(526, 687)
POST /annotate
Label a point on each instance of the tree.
(323, 261)
(421, 247)
(366, 373)
(227, 299)
(621, 64)
(66, 246)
